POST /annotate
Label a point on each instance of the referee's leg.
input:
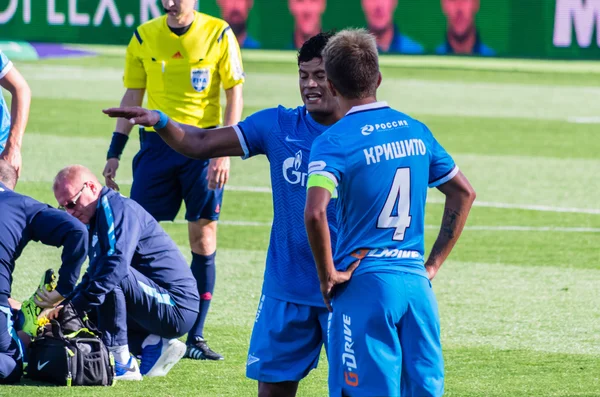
(203, 207)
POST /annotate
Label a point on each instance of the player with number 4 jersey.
(384, 335)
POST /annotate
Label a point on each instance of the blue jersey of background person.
(286, 137)
(384, 214)
(402, 44)
(250, 43)
(5, 66)
(478, 49)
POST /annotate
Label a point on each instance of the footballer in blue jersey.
(384, 335)
(13, 128)
(22, 220)
(291, 321)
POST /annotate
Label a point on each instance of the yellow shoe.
(48, 280)
(31, 312)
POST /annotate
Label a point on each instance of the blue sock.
(204, 270)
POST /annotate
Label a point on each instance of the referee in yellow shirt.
(181, 60)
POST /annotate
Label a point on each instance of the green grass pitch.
(519, 301)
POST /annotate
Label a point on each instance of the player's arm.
(112, 266)
(317, 228)
(459, 199)
(326, 167)
(135, 83)
(193, 142)
(320, 190)
(58, 229)
(12, 81)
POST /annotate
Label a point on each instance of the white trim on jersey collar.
(368, 106)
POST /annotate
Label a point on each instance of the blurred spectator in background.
(462, 36)
(380, 20)
(235, 13)
(307, 19)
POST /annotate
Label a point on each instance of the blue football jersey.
(382, 162)
(285, 136)
(5, 67)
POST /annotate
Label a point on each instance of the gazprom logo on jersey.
(200, 79)
(390, 125)
(291, 170)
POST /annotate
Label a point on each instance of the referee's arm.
(231, 73)
(135, 82)
(234, 106)
(218, 169)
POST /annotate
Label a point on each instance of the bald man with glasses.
(137, 282)
(23, 220)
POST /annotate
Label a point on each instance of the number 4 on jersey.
(398, 197)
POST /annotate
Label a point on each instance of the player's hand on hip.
(334, 279)
(110, 173)
(218, 172)
(431, 271)
(13, 157)
(135, 115)
(46, 299)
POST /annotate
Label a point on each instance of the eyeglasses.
(73, 202)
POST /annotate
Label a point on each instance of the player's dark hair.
(352, 63)
(313, 47)
(8, 174)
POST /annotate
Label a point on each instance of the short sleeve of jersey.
(5, 65)
(231, 69)
(255, 131)
(327, 158)
(135, 74)
(442, 167)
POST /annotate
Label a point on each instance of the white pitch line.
(233, 223)
(584, 120)
(478, 228)
(529, 229)
(489, 204)
(249, 189)
(530, 207)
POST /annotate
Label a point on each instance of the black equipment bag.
(69, 352)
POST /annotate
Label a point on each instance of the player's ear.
(93, 186)
(331, 88)
(379, 79)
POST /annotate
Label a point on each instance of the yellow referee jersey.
(183, 74)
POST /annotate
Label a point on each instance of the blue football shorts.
(286, 340)
(163, 178)
(384, 338)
